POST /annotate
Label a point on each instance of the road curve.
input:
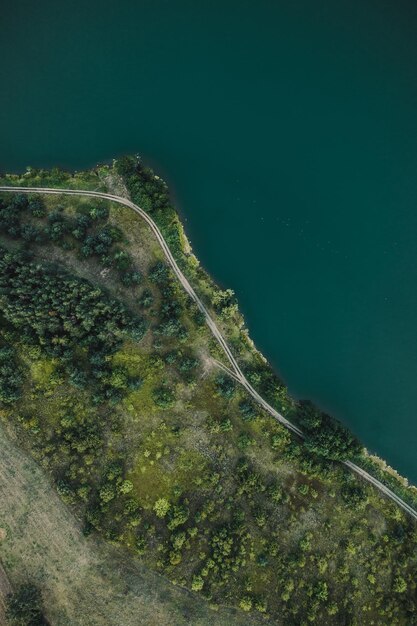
(237, 372)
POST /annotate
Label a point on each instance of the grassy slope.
(83, 580)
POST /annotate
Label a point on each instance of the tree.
(163, 397)
(247, 410)
(126, 165)
(150, 192)
(130, 278)
(126, 486)
(354, 495)
(320, 591)
(172, 328)
(10, 376)
(159, 273)
(400, 585)
(36, 206)
(161, 507)
(81, 225)
(225, 386)
(261, 605)
(146, 299)
(246, 603)
(107, 493)
(58, 226)
(223, 299)
(326, 436)
(197, 583)
(332, 609)
(178, 516)
(123, 260)
(99, 212)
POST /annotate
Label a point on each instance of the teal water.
(289, 134)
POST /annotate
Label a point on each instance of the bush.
(24, 607)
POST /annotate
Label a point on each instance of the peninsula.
(129, 377)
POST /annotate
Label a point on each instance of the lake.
(288, 135)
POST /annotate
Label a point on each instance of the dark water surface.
(288, 131)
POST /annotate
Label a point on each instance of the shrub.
(24, 607)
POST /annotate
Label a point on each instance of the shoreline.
(371, 455)
(388, 475)
(388, 471)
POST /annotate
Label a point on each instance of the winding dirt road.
(236, 371)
